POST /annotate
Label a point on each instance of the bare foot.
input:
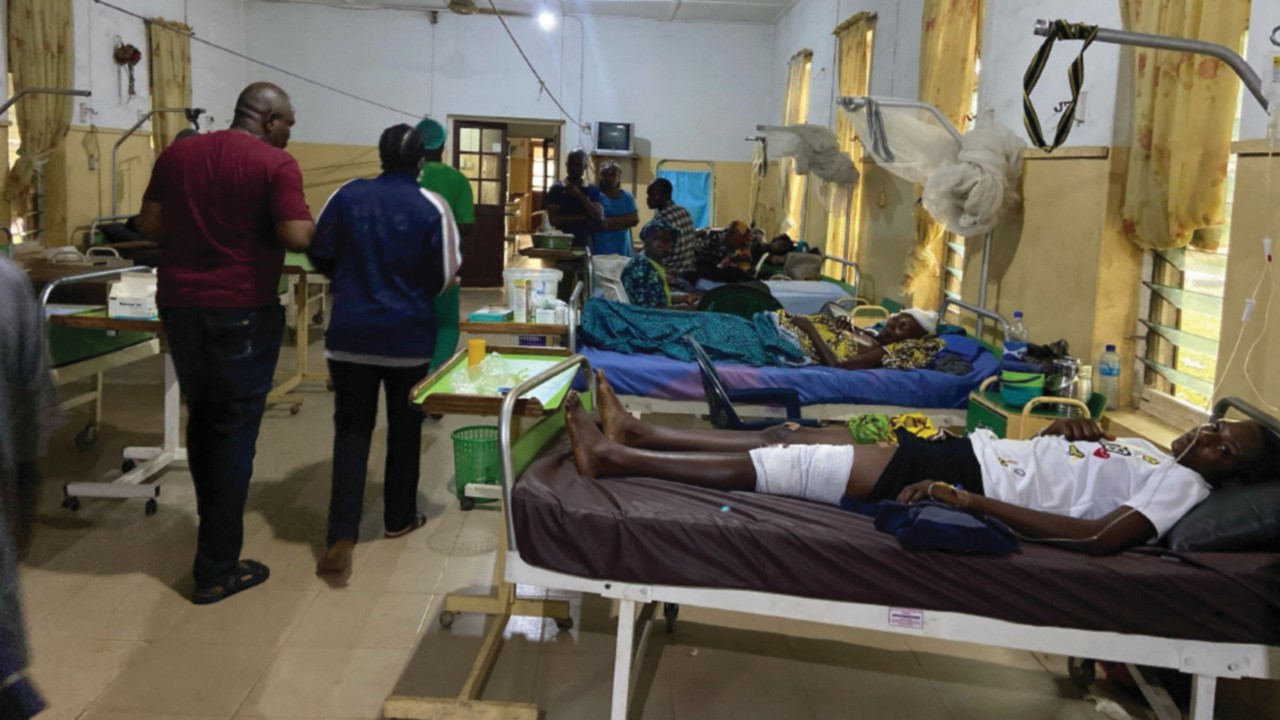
(617, 423)
(337, 559)
(584, 437)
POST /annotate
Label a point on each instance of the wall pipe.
(1177, 44)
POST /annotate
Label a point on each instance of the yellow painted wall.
(88, 186)
(886, 235)
(1254, 216)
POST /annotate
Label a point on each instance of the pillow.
(1243, 519)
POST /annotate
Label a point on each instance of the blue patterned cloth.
(645, 283)
(727, 338)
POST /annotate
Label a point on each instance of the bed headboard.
(981, 313)
(1221, 407)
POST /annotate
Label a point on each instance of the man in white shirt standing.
(1075, 485)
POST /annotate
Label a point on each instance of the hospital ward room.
(640, 359)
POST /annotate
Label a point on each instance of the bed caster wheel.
(127, 466)
(565, 624)
(670, 611)
(87, 437)
(1082, 672)
(71, 503)
(151, 507)
(466, 503)
(295, 409)
(317, 320)
(446, 618)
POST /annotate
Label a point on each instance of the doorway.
(510, 163)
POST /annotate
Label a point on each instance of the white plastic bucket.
(537, 287)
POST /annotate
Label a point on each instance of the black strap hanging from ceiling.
(1059, 30)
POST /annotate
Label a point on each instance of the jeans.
(355, 387)
(225, 359)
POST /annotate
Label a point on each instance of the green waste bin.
(475, 460)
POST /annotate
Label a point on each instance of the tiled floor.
(114, 638)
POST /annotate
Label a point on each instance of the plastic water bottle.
(1109, 377)
(1015, 345)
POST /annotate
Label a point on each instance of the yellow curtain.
(853, 76)
(948, 53)
(40, 56)
(169, 58)
(795, 110)
(1183, 108)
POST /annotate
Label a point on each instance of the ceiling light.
(546, 21)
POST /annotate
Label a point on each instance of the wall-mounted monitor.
(615, 138)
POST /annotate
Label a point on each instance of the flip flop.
(248, 573)
(418, 521)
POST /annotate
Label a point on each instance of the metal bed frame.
(941, 417)
(638, 602)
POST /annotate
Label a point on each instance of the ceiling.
(762, 12)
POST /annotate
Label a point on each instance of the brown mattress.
(650, 531)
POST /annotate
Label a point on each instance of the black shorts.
(950, 461)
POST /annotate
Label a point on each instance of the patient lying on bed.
(1074, 486)
(906, 341)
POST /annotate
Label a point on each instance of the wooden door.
(480, 153)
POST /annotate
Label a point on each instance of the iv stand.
(1164, 42)
(854, 104)
(115, 202)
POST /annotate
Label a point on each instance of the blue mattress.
(660, 377)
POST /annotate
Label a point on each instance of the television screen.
(613, 137)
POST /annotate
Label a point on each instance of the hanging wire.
(281, 70)
(542, 84)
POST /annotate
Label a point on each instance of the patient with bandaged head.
(1074, 485)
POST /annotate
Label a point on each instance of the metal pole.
(982, 279)
(41, 91)
(1177, 44)
(116, 148)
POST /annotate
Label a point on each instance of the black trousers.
(224, 360)
(355, 389)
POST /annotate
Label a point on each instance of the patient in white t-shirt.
(1075, 485)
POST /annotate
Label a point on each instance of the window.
(795, 111)
(544, 165)
(1183, 319)
(953, 252)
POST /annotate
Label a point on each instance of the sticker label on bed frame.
(906, 618)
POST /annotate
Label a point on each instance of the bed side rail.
(857, 271)
(506, 434)
(981, 313)
(575, 311)
(83, 277)
(1259, 416)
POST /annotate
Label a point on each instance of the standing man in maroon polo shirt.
(225, 206)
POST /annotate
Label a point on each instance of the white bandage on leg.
(814, 472)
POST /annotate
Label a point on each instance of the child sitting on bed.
(1073, 485)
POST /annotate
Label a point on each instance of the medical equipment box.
(133, 297)
(491, 313)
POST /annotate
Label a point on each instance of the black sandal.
(418, 521)
(248, 573)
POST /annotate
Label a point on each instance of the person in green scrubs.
(454, 187)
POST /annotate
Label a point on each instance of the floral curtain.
(948, 56)
(40, 55)
(169, 45)
(1184, 107)
(795, 110)
(853, 75)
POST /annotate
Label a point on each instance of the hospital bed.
(649, 384)
(647, 543)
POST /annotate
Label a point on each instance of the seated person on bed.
(725, 255)
(645, 280)
(1073, 486)
(906, 342)
(777, 249)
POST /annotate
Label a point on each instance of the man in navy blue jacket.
(389, 248)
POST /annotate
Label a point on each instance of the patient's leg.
(596, 455)
(620, 426)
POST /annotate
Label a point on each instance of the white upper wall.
(895, 50)
(216, 77)
(662, 76)
(1263, 16)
